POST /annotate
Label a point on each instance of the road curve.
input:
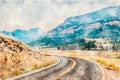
(84, 70)
(67, 69)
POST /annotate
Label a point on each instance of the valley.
(82, 47)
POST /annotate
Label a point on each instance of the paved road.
(68, 69)
(84, 70)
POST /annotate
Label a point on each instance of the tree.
(89, 45)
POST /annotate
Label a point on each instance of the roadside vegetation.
(99, 56)
(113, 55)
(12, 64)
(17, 58)
(106, 59)
(108, 63)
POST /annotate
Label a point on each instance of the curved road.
(66, 69)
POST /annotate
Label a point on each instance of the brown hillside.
(17, 58)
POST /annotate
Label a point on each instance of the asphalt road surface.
(67, 69)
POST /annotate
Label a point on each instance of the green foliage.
(65, 43)
(89, 45)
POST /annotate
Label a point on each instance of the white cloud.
(46, 14)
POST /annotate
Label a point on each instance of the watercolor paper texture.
(87, 29)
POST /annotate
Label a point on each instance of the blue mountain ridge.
(25, 36)
(104, 23)
(103, 15)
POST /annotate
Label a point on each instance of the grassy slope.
(17, 58)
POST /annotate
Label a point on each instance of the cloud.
(46, 14)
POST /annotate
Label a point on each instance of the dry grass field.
(12, 64)
(109, 59)
(110, 64)
(17, 58)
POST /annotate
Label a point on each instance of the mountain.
(104, 23)
(83, 23)
(25, 36)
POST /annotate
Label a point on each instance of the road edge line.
(103, 78)
(34, 71)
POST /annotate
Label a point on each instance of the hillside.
(90, 20)
(104, 23)
(17, 58)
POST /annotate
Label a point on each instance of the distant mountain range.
(104, 23)
(26, 36)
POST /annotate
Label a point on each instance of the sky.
(45, 14)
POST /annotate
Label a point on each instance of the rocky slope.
(104, 23)
(83, 24)
(17, 58)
